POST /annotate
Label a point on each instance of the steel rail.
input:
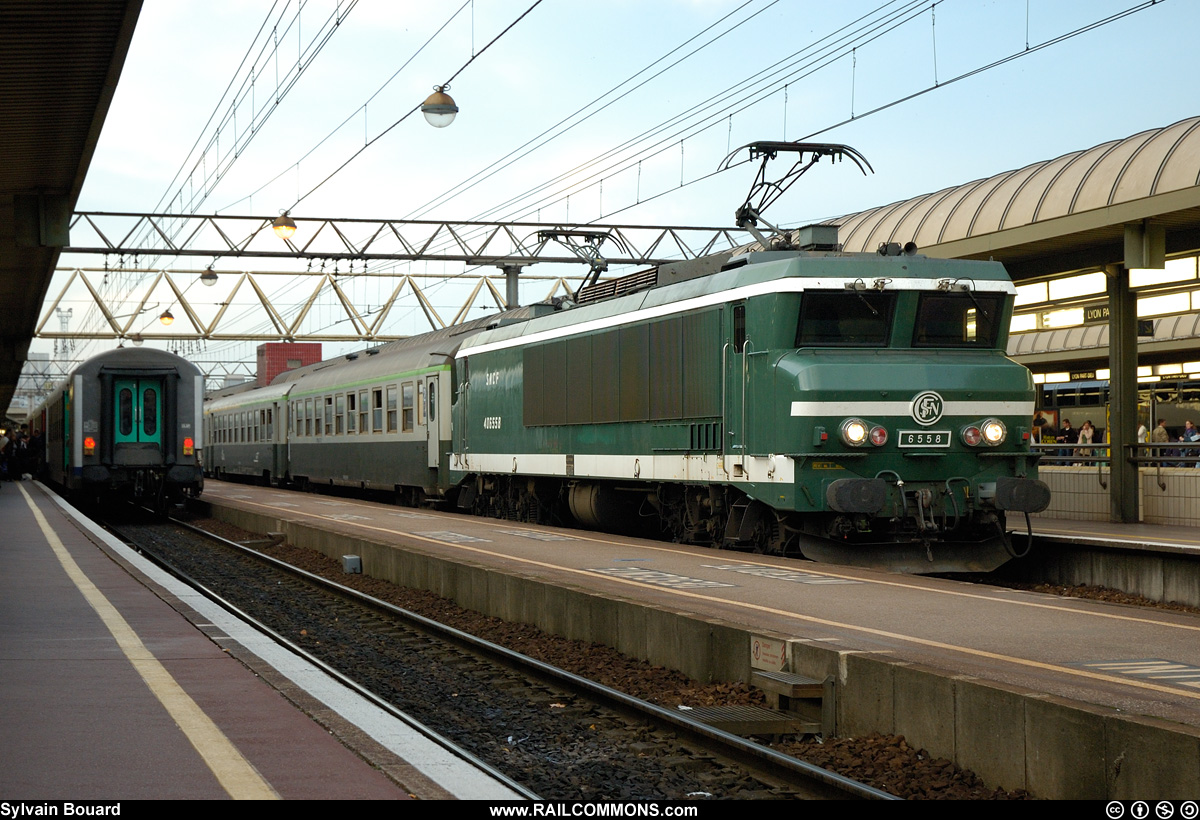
(283, 641)
(824, 783)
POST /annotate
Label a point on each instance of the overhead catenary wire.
(416, 107)
(411, 111)
(354, 114)
(1054, 41)
(666, 145)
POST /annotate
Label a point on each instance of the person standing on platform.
(1160, 436)
(1067, 435)
(1087, 434)
(1190, 434)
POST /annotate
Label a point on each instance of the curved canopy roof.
(1053, 216)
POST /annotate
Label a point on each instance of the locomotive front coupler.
(923, 500)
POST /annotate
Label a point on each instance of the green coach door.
(138, 411)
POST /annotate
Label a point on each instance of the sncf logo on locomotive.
(926, 408)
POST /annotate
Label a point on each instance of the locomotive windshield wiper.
(858, 286)
(870, 307)
(947, 284)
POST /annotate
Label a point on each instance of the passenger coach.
(126, 422)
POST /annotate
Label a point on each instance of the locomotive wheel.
(768, 537)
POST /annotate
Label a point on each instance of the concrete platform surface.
(108, 693)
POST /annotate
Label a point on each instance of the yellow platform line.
(235, 774)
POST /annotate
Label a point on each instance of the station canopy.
(1056, 216)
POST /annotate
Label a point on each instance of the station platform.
(107, 692)
(1154, 538)
(1066, 698)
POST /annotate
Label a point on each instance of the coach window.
(350, 413)
(391, 408)
(407, 407)
(339, 414)
(420, 402)
(377, 410)
(150, 411)
(125, 408)
(363, 426)
(329, 415)
(308, 417)
(298, 415)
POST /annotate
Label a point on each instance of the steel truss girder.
(121, 326)
(365, 240)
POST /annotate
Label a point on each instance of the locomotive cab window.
(845, 319)
(958, 320)
(739, 328)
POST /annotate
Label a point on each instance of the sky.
(1134, 74)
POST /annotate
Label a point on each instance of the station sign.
(1099, 315)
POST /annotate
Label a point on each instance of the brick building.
(276, 357)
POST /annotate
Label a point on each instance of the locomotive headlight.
(854, 432)
(994, 431)
(878, 436)
(971, 436)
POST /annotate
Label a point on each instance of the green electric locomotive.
(855, 408)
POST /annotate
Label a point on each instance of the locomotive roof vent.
(816, 238)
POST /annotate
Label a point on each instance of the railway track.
(557, 735)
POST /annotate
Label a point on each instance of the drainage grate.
(752, 720)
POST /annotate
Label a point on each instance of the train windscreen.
(845, 319)
(958, 320)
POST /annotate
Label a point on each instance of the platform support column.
(1123, 418)
(512, 274)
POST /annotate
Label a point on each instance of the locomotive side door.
(733, 390)
(138, 411)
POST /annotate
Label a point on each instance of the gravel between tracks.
(886, 762)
